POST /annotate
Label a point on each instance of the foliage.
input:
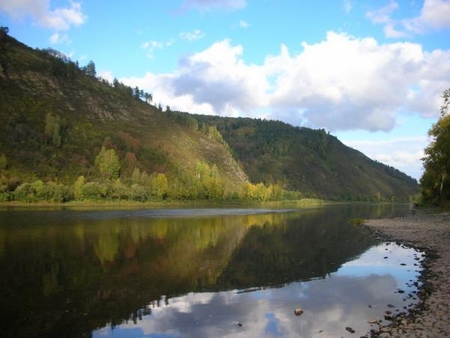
(312, 162)
(78, 188)
(261, 192)
(89, 69)
(107, 162)
(66, 134)
(159, 186)
(435, 181)
(54, 128)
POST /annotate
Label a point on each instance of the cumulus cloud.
(435, 14)
(60, 19)
(207, 5)
(340, 83)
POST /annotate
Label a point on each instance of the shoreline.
(429, 233)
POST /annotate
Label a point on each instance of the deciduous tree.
(435, 181)
(107, 162)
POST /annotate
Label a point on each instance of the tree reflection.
(68, 273)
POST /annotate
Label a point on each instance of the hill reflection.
(67, 273)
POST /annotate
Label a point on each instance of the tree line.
(111, 183)
(435, 181)
(63, 67)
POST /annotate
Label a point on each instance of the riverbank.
(429, 232)
(125, 204)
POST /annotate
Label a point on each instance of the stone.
(298, 311)
(349, 329)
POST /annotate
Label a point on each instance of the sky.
(372, 73)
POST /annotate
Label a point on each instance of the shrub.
(94, 191)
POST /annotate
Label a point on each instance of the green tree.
(78, 188)
(435, 181)
(108, 164)
(89, 69)
(94, 191)
(159, 186)
(54, 127)
(136, 175)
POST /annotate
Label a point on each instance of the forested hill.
(66, 134)
(311, 161)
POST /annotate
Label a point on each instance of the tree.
(435, 181)
(148, 97)
(89, 69)
(159, 186)
(78, 188)
(3, 34)
(107, 162)
(54, 127)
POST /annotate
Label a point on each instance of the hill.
(66, 134)
(311, 161)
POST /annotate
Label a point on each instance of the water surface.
(198, 272)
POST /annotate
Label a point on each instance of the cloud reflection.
(360, 291)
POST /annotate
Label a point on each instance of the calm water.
(198, 272)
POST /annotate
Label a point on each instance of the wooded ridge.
(66, 134)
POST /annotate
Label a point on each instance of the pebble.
(298, 311)
(429, 233)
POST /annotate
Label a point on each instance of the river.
(199, 272)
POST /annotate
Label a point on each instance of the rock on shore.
(430, 232)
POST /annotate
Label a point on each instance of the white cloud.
(404, 153)
(58, 38)
(207, 5)
(192, 36)
(59, 19)
(340, 83)
(151, 46)
(106, 74)
(349, 83)
(434, 15)
(383, 14)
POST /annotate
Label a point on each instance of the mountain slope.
(88, 114)
(56, 118)
(311, 161)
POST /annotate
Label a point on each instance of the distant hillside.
(66, 134)
(311, 161)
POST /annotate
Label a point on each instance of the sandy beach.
(429, 232)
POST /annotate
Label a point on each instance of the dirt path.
(432, 233)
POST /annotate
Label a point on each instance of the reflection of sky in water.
(359, 291)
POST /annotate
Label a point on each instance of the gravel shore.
(429, 232)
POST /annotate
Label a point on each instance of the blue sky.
(370, 72)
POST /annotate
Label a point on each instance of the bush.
(55, 192)
(94, 191)
(25, 193)
(139, 193)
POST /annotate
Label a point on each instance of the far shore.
(429, 232)
(172, 203)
